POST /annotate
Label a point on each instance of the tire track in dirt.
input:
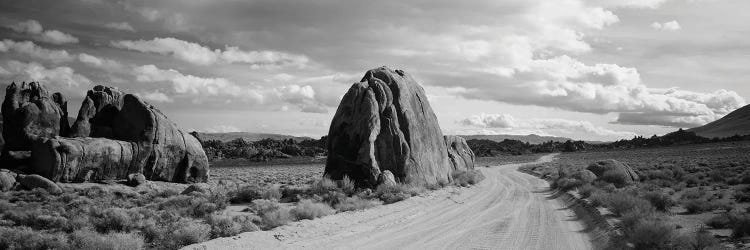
(508, 210)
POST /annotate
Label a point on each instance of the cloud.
(61, 76)
(668, 26)
(155, 96)
(504, 123)
(30, 49)
(565, 83)
(221, 129)
(34, 28)
(124, 26)
(101, 63)
(201, 55)
(194, 85)
(649, 4)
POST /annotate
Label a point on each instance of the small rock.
(136, 179)
(386, 178)
(7, 180)
(202, 188)
(37, 181)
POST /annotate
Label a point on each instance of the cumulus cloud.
(202, 55)
(32, 50)
(124, 26)
(35, 29)
(61, 76)
(101, 63)
(667, 26)
(155, 96)
(649, 4)
(566, 83)
(504, 123)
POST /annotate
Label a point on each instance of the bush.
(27, 238)
(186, 233)
(651, 235)
(275, 218)
(694, 206)
(741, 227)
(323, 186)
(392, 193)
(620, 203)
(307, 209)
(700, 240)
(586, 190)
(86, 239)
(566, 183)
(246, 194)
(723, 220)
(222, 226)
(659, 200)
(356, 203)
(271, 193)
(467, 178)
(113, 220)
(347, 185)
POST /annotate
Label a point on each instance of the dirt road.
(508, 210)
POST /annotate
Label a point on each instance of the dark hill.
(735, 123)
(247, 136)
(532, 138)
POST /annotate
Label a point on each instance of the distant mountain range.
(248, 136)
(532, 138)
(735, 123)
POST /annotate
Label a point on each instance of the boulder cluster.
(116, 136)
(385, 131)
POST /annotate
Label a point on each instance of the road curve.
(508, 210)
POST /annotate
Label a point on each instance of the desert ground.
(508, 210)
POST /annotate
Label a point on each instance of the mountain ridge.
(735, 123)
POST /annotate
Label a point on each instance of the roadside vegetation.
(120, 217)
(688, 197)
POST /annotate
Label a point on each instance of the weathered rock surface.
(386, 178)
(116, 134)
(36, 181)
(461, 156)
(614, 171)
(136, 179)
(30, 113)
(385, 122)
(7, 180)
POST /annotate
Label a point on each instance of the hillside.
(735, 123)
(247, 136)
(532, 138)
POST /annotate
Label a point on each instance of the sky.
(592, 70)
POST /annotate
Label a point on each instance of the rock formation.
(385, 122)
(131, 136)
(114, 135)
(459, 153)
(30, 113)
(614, 172)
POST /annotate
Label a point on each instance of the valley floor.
(508, 210)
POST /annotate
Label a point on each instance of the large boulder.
(613, 171)
(385, 122)
(30, 113)
(138, 138)
(461, 156)
(7, 180)
(35, 181)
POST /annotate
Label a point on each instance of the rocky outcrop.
(613, 171)
(131, 137)
(136, 179)
(30, 113)
(461, 156)
(35, 181)
(385, 122)
(7, 180)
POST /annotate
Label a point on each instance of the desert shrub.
(248, 223)
(566, 183)
(617, 179)
(246, 194)
(392, 193)
(697, 205)
(659, 200)
(742, 195)
(27, 238)
(467, 178)
(694, 193)
(586, 190)
(722, 220)
(741, 227)
(90, 240)
(272, 193)
(222, 226)
(702, 239)
(261, 207)
(620, 203)
(113, 220)
(323, 186)
(275, 218)
(356, 203)
(598, 198)
(307, 209)
(186, 233)
(653, 234)
(347, 185)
